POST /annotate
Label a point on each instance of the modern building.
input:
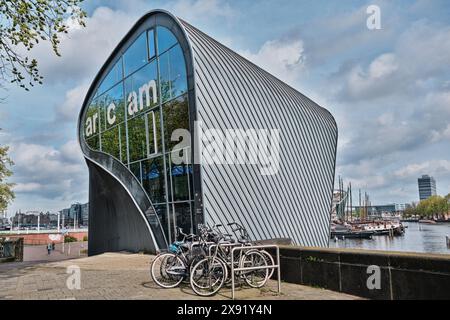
(378, 211)
(84, 221)
(427, 187)
(33, 219)
(256, 151)
(77, 215)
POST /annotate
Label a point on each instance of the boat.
(381, 228)
(352, 234)
(427, 221)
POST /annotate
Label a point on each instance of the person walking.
(49, 248)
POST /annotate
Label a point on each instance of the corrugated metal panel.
(232, 93)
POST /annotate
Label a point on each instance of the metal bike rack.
(276, 266)
(224, 245)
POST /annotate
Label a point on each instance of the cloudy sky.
(388, 89)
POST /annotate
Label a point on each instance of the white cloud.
(420, 59)
(284, 59)
(49, 172)
(27, 187)
(84, 50)
(433, 167)
(202, 9)
(69, 109)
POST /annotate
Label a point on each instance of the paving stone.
(114, 276)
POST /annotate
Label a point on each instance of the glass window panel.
(173, 74)
(180, 183)
(166, 39)
(141, 90)
(135, 168)
(113, 107)
(92, 121)
(190, 171)
(94, 142)
(183, 219)
(110, 142)
(101, 112)
(137, 141)
(161, 211)
(113, 77)
(151, 43)
(123, 143)
(154, 132)
(153, 179)
(136, 55)
(175, 116)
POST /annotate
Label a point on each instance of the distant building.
(380, 211)
(3, 219)
(400, 207)
(77, 214)
(31, 219)
(84, 221)
(427, 187)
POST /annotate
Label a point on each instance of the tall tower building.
(427, 187)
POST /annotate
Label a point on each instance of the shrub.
(68, 239)
(85, 238)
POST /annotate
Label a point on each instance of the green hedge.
(68, 239)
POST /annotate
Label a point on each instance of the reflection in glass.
(159, 107)
(123, 143)
(137, 141)
(153, 179)
(113, 77)
(113, 107)
(180, 186)
(141, 90)
(136, 55)
(91, 122)
(154, 128)
(161, 211)
(110, 142)
(173, 74)
(135, 168)
(182, 213)
(166, 39)
(176, 116)
(151, 44)
(94, 142)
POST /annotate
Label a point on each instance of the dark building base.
(115, 223)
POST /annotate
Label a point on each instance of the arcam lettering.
(144, 92)
(144, 97)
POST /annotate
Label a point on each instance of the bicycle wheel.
(208, 276)
(254, 278)
(168, 270)
(270, 262)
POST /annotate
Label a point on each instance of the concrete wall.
(11, 250)
(45, 238)
(402, 275)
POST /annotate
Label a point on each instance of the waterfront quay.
(125, 276)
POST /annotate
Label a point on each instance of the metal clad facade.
(225, 91)
(232, 93)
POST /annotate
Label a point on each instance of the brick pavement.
(123, 276)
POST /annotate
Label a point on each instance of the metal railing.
(267, 267)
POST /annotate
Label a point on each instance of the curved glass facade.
(132, 115)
